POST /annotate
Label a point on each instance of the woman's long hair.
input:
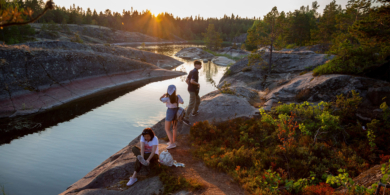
(173, 97)
(148, 131)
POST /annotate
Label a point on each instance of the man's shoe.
(186, 122)
(194, 114)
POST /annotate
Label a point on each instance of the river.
(82, 135)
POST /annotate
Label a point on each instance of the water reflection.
(210, 70)
(21, 126)
(168, 50)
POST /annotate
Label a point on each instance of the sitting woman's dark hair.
(148, 131)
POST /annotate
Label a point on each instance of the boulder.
(193, 53)
(223, 61)
(287, 65)
(291, 81)
(233, 52)
(265, 49)
(325, 88)
(216, 106)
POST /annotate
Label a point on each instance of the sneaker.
(194, 114)
(142, 160)
(171, 146)
(186, 122)
(131, 181)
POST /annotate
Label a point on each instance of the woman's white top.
(148, 146)
(168, 102)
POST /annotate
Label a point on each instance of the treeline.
(304, 26)
(163, 25)
(358, 34)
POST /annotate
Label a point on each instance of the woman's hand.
(148, 161)
(163, 96)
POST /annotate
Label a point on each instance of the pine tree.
(267, 32)
(327, 25)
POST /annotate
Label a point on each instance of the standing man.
(193, 88)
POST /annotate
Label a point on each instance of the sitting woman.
(148, 151)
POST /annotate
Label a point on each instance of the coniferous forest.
(337, 29)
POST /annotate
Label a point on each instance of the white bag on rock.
(166, 158)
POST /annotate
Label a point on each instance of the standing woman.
(172, 100)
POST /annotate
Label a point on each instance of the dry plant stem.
(379, 187)
(317, 134)
(49, 5)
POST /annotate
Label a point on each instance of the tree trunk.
(270, 60)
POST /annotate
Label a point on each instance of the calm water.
(51, 160)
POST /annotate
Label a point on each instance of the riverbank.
(240, 93)
(38, 77)
(88, 33)
(149, 43)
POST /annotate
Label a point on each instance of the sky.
(204, 8)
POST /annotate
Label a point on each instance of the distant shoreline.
(150, 43)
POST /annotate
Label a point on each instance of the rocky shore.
(92, 34)
(195, 53)
(241, 92)
(41, 75)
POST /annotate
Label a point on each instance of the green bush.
(77, 38)
(291, 46)
(351, 59)
(293, 147)
(17, 34)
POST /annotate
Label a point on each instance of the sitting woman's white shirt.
(149, 145)
(169, 104)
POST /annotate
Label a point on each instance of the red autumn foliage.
(320, 189)
(384, 158)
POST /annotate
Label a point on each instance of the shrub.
(291, 46)
(77, 38)
(351, 59)
(320, 189)
(293, 148)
